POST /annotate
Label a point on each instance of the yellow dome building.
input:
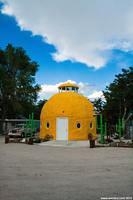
(68, 115)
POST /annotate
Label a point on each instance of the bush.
(48, 138)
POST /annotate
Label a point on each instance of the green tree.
(119, 97)
(18, 91)
(99, 104)
(38, 108)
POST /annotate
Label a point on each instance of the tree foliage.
(38, 108)
(99, 105)
(18, 91)
(119, 96)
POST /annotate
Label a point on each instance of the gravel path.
(33, 172)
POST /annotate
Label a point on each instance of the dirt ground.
(33, 172)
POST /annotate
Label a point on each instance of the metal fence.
(8, 124)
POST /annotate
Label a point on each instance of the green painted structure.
(102, 128)
(31, 126)
(120, 127)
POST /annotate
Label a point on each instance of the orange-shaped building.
(68, 115)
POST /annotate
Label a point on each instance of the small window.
(47, 125)
(91, 125)
(78, 125)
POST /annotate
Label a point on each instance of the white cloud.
(96, 95)
(85, 30)
(84, 88)
(47, 90)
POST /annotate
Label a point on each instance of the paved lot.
(59, 173)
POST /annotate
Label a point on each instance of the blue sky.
(92, 78)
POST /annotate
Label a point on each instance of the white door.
(61, 128)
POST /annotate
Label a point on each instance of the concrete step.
(66, 143)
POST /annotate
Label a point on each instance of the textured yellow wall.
(76, 108)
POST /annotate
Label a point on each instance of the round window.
(91, 125)
(78, 125)
(47, 125)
